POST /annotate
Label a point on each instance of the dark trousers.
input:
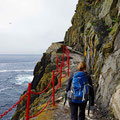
(74, 108)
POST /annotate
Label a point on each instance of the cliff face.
(95, 31)
(42, 76)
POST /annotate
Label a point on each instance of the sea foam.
(15, 71)
(22, 79)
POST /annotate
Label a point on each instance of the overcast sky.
(30, 26)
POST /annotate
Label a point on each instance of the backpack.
(79, 88)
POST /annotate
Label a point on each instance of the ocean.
(16, 71)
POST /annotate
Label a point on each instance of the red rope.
(13, 106)
(59, 60)
(65, 75)
(56, 87)
(58, 66)
(37, 93)
(65, 65)
(59, 70)
(57, 73)
(42, 109)
(67, 54)
(63, 70)
(66, 51)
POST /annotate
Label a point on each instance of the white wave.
(3, 89)
(15, 71)
(21, 79)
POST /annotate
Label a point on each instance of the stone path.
(60, 112)
(63, 112)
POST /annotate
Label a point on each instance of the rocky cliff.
(95, 32)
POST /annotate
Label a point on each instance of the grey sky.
(30, 26)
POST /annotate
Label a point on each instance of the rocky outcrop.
(95, 31)
(108, 92)
(43, 69)
(42, 76)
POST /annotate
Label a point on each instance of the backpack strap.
(84, 91)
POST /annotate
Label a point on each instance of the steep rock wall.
(95, 31)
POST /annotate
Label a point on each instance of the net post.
(53, 93)
(28, 101)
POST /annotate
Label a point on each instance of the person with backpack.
(79, 90)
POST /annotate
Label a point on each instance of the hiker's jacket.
(91, 91)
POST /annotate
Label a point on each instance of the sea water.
(16, 71)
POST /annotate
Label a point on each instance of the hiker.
(75, 91)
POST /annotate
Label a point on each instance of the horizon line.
(20, 54)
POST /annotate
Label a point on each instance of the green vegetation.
(109, 29)
(115, 20)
